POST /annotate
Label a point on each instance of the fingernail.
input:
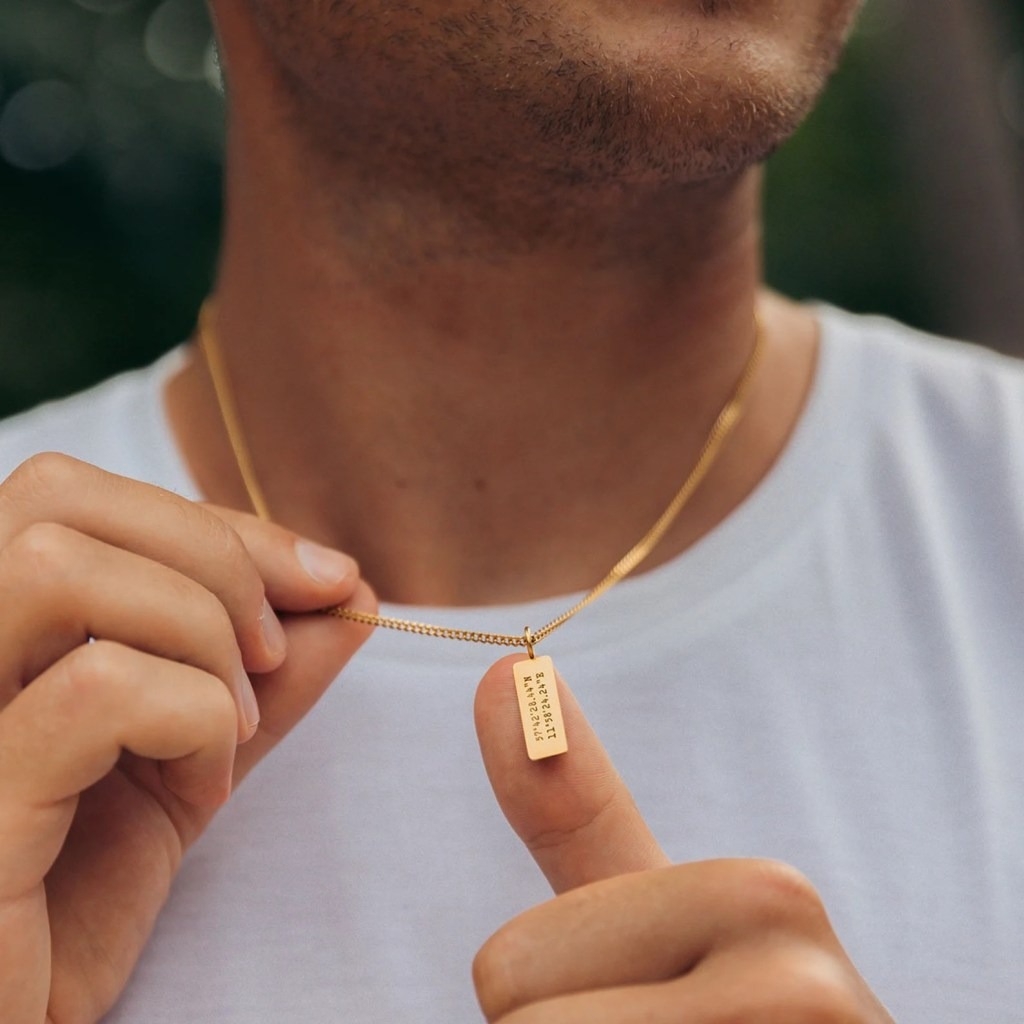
(324, 564)
(273, 631)
(250, 707)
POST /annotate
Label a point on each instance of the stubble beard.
(522, 126)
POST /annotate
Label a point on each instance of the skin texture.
(115, 755)
(518, 116)
(408, 243)
(468, 244)
(630, 938)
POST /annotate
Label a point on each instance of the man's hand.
(116, 753)
(632, 938)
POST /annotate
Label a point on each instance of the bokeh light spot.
(43, 125)
(176, 40)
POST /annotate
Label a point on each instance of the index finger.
(157, 524)
(573, 812)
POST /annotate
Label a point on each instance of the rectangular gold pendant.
(539, 708)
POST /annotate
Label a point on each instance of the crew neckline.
(695, 582)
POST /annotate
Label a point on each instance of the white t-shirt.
(832, 677)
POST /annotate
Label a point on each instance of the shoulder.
(119, 425)
(930, 362)
(913, 380)
(928, 421)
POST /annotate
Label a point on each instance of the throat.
(503, 500)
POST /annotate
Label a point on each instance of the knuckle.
(777, 895)
(41, 552)
(207, 614)
(225, 541)
(91, 667)
(494, 973)
(42, 475)
(812, 987)
(228, 551)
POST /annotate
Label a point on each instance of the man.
(490, 272)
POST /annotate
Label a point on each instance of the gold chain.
(720, 430)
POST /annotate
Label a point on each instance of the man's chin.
(650, 127)
(558, 103)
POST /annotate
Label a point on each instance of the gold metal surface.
(539, 708)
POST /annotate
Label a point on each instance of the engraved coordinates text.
(538, 703)
(537, 690)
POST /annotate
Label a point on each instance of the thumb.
(573, 811)
(319, 646)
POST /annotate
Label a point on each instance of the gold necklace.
(535, 678)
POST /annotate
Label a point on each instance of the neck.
(484, 423)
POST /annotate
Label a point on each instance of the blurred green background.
(903, 194)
